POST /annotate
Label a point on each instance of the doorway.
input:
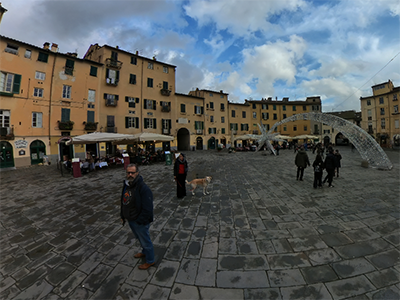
(211, 143)
(183, 138)
(6, 155)
(66, 151)
(38, 151)
(199, 143)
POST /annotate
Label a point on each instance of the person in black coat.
(180, 172)
(329, 165)
(338, 158)
(137, 209)
(318, 165)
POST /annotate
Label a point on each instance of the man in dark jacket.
(301, 162)
(137, 209)
(329, 165)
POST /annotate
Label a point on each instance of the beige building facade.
(380, 114)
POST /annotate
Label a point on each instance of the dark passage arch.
(183, 138)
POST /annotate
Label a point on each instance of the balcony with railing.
(165, 92)
(111, 102)
(65, 125)
(7, 133)
(90, 126)
(112, 81)
(166, 108)
(113, 63)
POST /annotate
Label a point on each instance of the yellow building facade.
(380, 114)
(47, 97)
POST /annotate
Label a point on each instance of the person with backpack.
(318, 165)
(301, 161)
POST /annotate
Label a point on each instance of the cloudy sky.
(249, 49)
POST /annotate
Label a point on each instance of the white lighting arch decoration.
(368, 148)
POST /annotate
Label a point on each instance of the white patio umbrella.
(101, 137)
(151, 137)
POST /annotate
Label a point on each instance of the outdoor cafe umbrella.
(151, 137)
(306, 136)
(101, 137)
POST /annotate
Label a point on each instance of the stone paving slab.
(259, 234)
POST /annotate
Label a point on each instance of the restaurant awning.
(101, 137)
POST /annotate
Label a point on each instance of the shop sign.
(21, 144)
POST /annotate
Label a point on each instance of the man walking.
(137, 209)
(301, 162)
(329, 165)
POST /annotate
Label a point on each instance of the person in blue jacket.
(137, 209)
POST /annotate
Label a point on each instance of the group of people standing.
(331, 164)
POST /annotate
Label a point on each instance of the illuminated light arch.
(368, 148)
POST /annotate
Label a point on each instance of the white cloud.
(239, 17)
(273, 61)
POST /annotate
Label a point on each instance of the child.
(318, 166)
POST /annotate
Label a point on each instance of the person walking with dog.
(301, 162)
(180, 172)
(137, 209)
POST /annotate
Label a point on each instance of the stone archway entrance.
(199, 143)
(38, 151)
(183, 138)
(6, 155)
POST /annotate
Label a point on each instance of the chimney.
(46, 46)
(54, 47)
(154, 57)
(221, 91)
(2, 11)
(137, 52)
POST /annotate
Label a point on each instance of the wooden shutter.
(17, 84)
(155, 123)
(137, 122)
(126, 122)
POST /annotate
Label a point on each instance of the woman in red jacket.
(180, 172)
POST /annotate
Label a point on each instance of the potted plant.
(67, 125)
(90, 125)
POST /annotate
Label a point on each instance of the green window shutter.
(117, 78)
(202, 110)
(17, 84)
(146, 122)
(43, 57)
(93, 71)
(155, 123)
(107, 73)
(90, 116)
(69, 63)
(209, 130)
(126, 122)
(137, 122)
(126, 99)
(195, 125)
(65, 114)
(223, 130)
(202, 125)
(137, 100)
(169, 124)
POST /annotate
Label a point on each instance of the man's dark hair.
(133, 165)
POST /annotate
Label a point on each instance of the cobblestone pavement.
(260, 234)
